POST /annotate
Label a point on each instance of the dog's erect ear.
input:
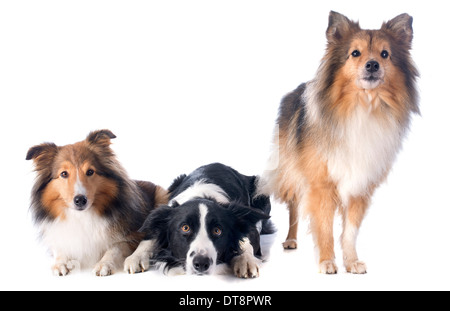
(42, 155)
(339, 26)
(101, 137)
(400, 27)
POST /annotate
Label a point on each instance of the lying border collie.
(213, 220)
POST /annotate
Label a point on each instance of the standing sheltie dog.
(87, 209)
(339, 134)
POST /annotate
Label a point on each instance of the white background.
(186, 83)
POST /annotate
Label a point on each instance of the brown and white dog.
(339, 134)
(87, 209)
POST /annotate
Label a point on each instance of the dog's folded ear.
(40, 150)
(246, 217)
(156, 224)
(100, 142)
(101, 137)
(262, 203)
(42, 155)
(247, 214)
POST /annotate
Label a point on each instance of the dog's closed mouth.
(372, 78)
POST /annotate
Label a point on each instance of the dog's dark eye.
(385, 54)
(356, 53)
(64, 174)
(185, 228)
(217, 231)
(90, 172)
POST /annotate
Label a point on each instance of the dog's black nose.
(372, 66)
(201, 263)
(80, 201)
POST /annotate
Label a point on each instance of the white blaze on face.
(201, 245)
(79, 188)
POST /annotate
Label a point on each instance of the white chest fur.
(83, 236)
(366, 151)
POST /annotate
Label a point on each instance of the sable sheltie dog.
(339, 134)
(86, 208)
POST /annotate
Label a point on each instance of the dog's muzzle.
(201, 264)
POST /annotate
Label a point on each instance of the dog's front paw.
(62, 268)
(356, 267)
(136, 263)
(103, 268)
(139, 261)
(246, 266)
(328, 267)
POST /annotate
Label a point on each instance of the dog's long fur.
(87, 209)
(339, 134)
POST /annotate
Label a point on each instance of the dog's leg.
(352, 219)
(246, 265)
(139, 261)
(291, 240)
(112, 259)
(321, 208)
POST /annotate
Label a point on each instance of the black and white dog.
(213, 221)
